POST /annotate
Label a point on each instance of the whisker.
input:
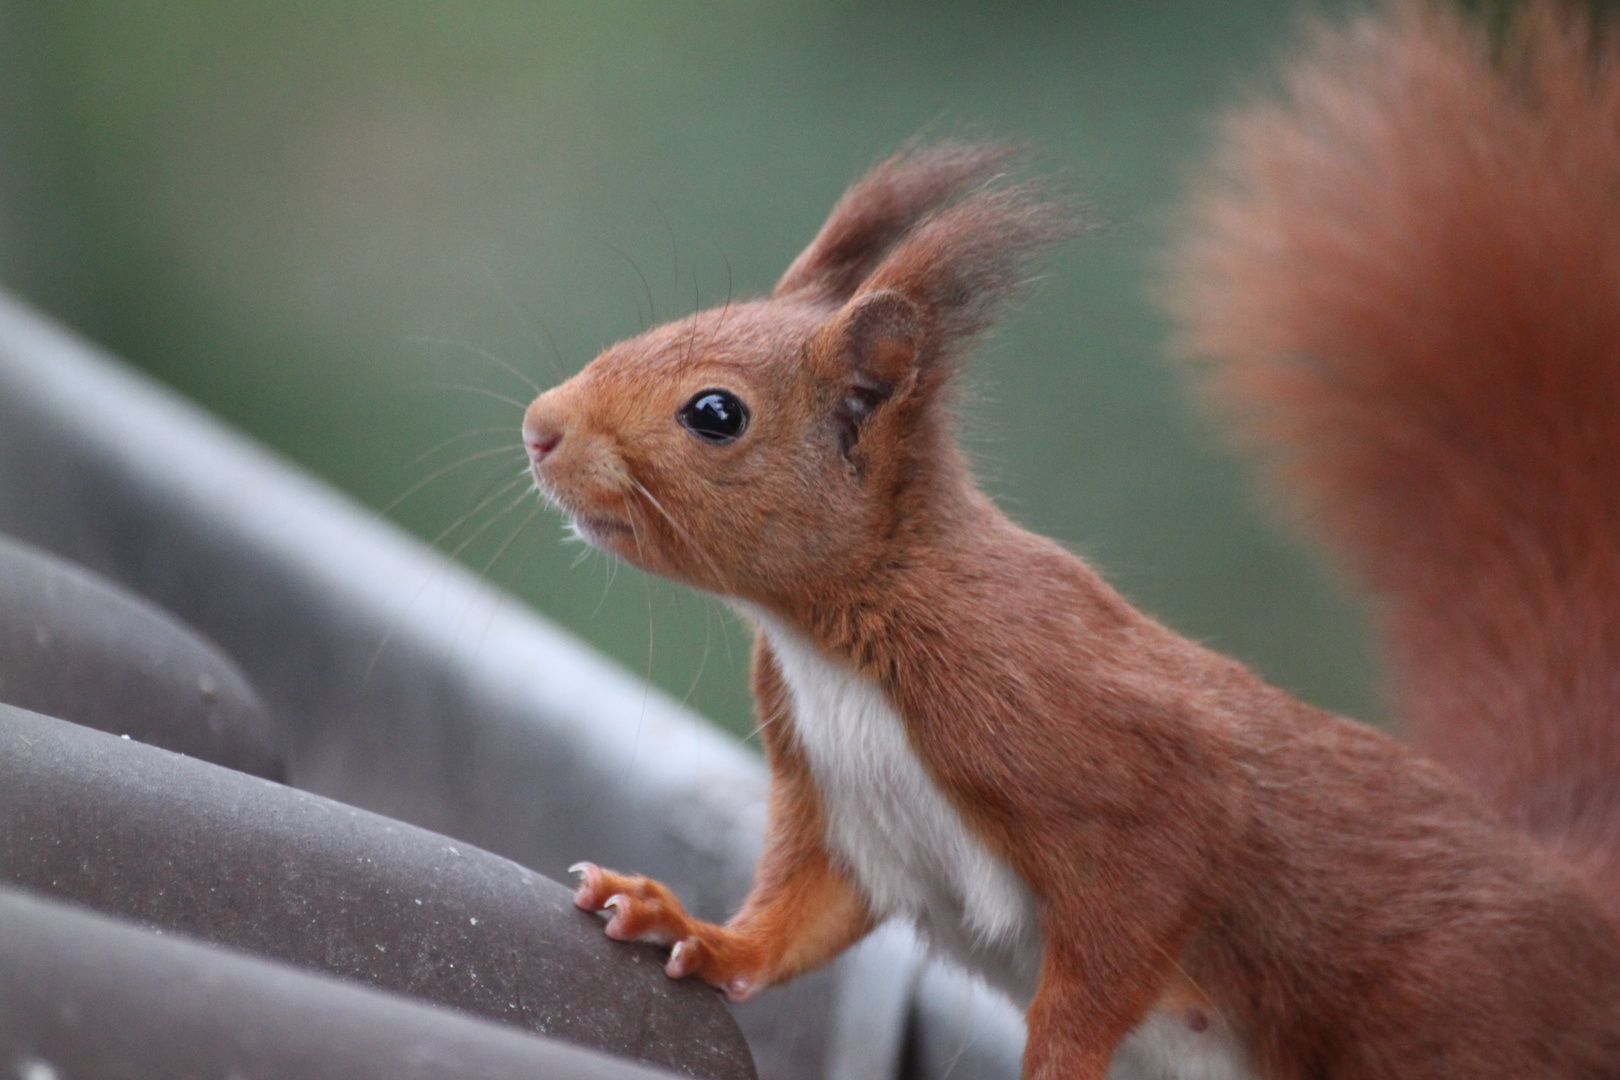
(504, 429)
(523, 315)
(528, 554)
(607, 586)
(483, 392)
(493, 485)
(652, 308)
(691, 340)
(507, 543)
(483, 574)
(759, 728)
(483, 503)
(476, 533)
(688, 537)
(727, 305)
(481, 354)
(724, 615)
(556, 353)
(703, 660)
(445, 562)
(725, 309)
(646, 686)
(452, 467)
(674, 250)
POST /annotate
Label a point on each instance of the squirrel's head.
(755, 448)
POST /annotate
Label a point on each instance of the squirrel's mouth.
(600, 531)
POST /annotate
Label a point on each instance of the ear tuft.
(883, 206)
(961, 265)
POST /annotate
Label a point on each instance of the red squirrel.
(1407, 274)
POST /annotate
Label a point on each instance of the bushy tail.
(1405, 273)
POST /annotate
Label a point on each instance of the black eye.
(716, 416)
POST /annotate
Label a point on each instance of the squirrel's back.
(1406, 272)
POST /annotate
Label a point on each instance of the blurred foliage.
(322, 220)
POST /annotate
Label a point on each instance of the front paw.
(640, 909)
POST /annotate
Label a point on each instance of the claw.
(682, 960)
(619, 904)
(739, 990)
(589, 879)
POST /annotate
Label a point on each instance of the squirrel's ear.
(871, 348)
(877, 336)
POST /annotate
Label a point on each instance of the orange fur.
(1192, 838)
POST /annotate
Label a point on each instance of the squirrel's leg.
(802, 911)
(1105, 962)
(798, 921)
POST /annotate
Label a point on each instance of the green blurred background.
(321, 221)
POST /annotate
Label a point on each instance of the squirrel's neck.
(953, 568)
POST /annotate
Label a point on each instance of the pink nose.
(540, 439)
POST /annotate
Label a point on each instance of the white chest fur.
(911, 856)
(899, 837)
